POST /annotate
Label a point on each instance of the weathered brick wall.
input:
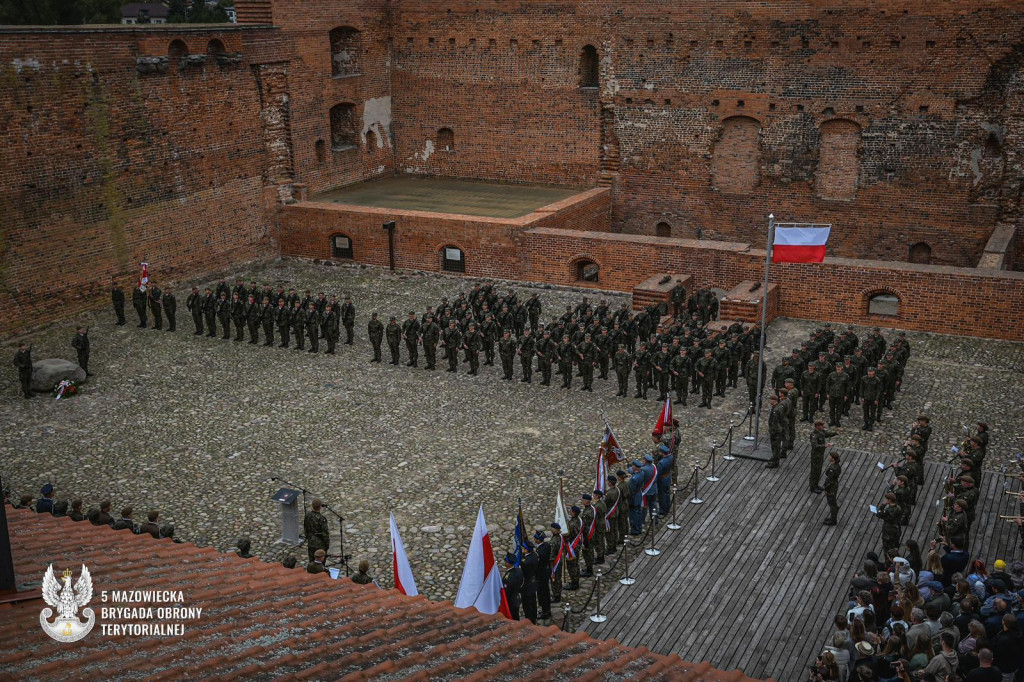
(103, 167)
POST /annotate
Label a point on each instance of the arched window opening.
(452, 259)
(345, 48)
(215, 47)
(663, 229)
(586, 271)
(446, 140)
(177, 49)
(321, 151)
(343, 127)
(921, 253)
(884, 304)
(736, 161)
(341, 246)
(839, 162)
(589, 67)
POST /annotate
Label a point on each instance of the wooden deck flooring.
(753, 578)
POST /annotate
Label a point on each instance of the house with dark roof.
(144, 13)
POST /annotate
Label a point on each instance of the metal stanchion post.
(673, 525)
(750, 424)
(567, 610)
(728, 456)
(713, 478)
(652, 550)
(597, 616)
(695, 499)
(626, 579)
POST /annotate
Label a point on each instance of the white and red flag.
(608, 454)
(404, 582)
(800, 244)
(665, 418)
(144, 277)
(481, 585)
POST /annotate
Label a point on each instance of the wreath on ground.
(65, 389)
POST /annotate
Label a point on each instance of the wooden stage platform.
(753, 579)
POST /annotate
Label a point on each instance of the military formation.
(682, 355)
(599, 524)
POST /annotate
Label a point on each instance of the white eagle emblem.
(67, 627)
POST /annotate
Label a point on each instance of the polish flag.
(800, 244)
(481, 585)
(144, 278)
(665, 418)
(404, 582)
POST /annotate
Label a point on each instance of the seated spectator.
(103, 517)
(317, 564)
(289, 561)
(167, 531)
(25, 502)
(126, 522)
(243, 546)
(945, 662)
(362, 577)
(60, 508)
(45, 503)
(150, 526)
(76, 510)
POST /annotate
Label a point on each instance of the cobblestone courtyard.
(196, 427)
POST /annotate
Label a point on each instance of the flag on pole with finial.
(608, 453)
(144, 277)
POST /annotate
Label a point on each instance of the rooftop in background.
(439, 195)
(156, 10)
(261, 620)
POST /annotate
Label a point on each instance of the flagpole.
(764, 321)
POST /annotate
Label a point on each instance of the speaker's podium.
(287, 499)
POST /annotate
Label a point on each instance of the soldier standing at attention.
(375, 330)
(543, 554)
(140, 303)
(452, 340)
(330, 325)
(210, 312)
(870, 389)
(818, 445)
(662, 371)
(750, 374)
(678, 299)
(575, 540)
(706, 370)
(348, 319)
(624, 505)
(23, 361)
(430, 335)
(492, 332)
(587, 354)
(588, 519)
(283, 319)
(558, 554)
(267, 318)
(80, 342)
(238, 316)
(566, 355)
(252, 319)
(472, 341)
(529, 566)
(838, 387)
(313, 327)
(611, 502)
(171, 310)
(776, 431)
(680, 368)
(832, 474)
(527, 348)
(809, 388)
(641, 368)
(600, 532)
(507, 353)
(546, 351)
(117, 298)
(890, 514)
(318, 533)
(155, 305)
(411, 334)
(623, 362)
(298, 320)
(194, 305)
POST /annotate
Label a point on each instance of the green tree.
(178, 12)
(101, 11)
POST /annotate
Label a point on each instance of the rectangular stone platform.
(651, 290)
(745, 305)
(753, 579)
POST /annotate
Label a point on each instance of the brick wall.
(104, 166)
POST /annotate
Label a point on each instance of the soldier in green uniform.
(316, 530)
(624, 505)
(527, 349)
(330, 325)
(722, 357)
(492, 332)
(473, 342)
(838, 388)
(965, 490)
(238, 316)
(23, 361)
(572, 553)
(611, 503)
(600, 531)
(546, 349)
(156, 305)
(430, 334)
(870, 388)
(587, 354)
(348, 319)
(266, 320)
(253, 313)
(903, 498)
(776, 431)
(375, 330)
(117, 298)
(283, 319)
(558, 553)
(788, 422)
(140, 303)
(956, 526)
(313, 327)
(832, 474)
(603, 346)
(890, 515)
(411, 334)
(680, 370)
(678, 296)
(910, 469)
(623, 363)
(209, 308)
(661, 366)
(224, 315)
(706, 370)
(507, 354)
(588, 519)
(810, 385)
(298, 320)
(393, 334)
(641, 368)
(171, 310)
(750, 373)
(452, 341)
(819, 442)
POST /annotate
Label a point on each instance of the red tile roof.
(262, 620)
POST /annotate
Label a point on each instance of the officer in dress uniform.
(530, 567)
(80, 342)
(513, 582)
(543, 553)
(117, 298)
